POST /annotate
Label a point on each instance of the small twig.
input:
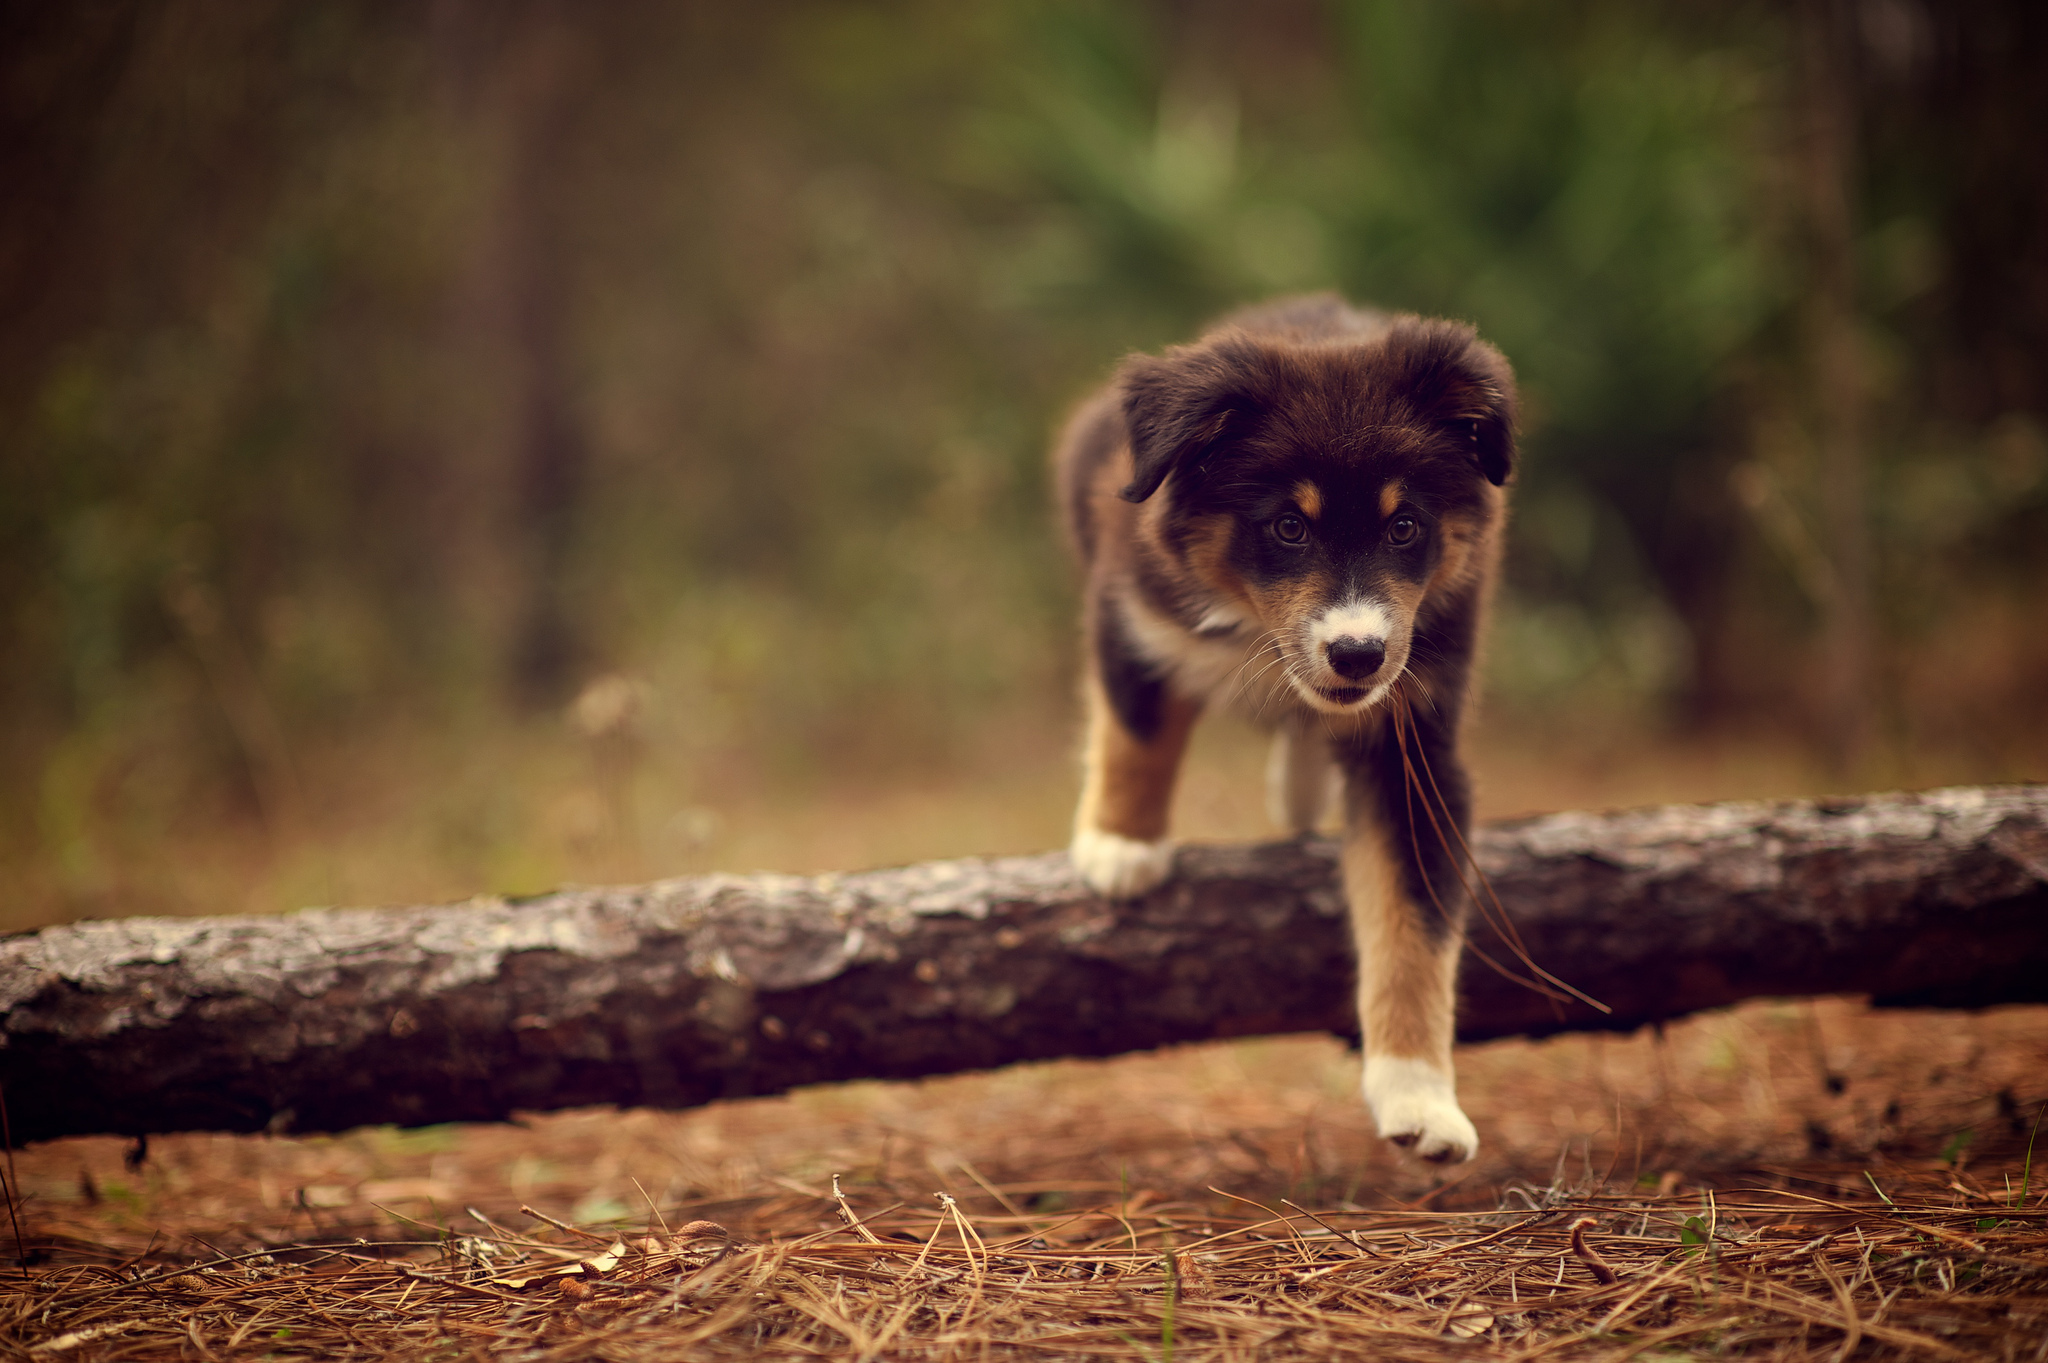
(1280, 1217)
(563, 1225)
(989, 1188)
(1590, 1257)
(970, 1238)
(659, 1219)
(443, 1280)
(861, 1226)
(853, 1222)
(1853, 1322)
(1350, 1237)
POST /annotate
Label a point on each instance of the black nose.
(1356, 659)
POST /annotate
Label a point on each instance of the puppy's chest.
(1226, 660)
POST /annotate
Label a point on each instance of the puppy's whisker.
(1268, 643)
(1265, 699)
(1252, 680)
(1270, 657)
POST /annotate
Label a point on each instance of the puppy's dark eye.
(1403, 530)
(1290, 530)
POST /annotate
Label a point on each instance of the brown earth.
(1106, 1198)
(1826, 1106)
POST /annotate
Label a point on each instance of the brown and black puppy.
(1300, 515)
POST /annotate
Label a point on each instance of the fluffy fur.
(1299, 515)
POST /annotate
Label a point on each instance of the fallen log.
(686, 991)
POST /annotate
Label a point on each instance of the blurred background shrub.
(378, 379)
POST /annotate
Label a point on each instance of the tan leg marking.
(1407, 999)
(1405, 980)
(1120, 846)
(1129, 785)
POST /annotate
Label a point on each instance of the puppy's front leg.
(1407, 987)
(1120, 845)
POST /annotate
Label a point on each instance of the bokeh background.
(461, 447)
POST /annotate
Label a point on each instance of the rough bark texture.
(686, 991)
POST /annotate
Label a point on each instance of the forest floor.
(1787, 1179)
(1783, 1180)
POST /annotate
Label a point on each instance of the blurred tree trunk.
(1827, 72)
(515, 73)
(686, 991)
(1966, 112)
(552, 454)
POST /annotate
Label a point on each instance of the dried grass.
(1216, 1203)
(1940, 1270)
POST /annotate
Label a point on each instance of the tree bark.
(685, 991)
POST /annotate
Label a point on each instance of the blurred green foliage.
(366, 364)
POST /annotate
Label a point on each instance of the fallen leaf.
(595, 1265)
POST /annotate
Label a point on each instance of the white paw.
(1416, 1106)
(1120, 867)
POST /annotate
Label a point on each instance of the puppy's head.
(1323, 494)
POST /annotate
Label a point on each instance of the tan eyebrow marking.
(1309, 498)
(1390, 497)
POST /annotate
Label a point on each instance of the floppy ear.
(1179, 404)
(1461, 384)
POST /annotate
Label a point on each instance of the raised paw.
(1120, 867)
(1416, 1107)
